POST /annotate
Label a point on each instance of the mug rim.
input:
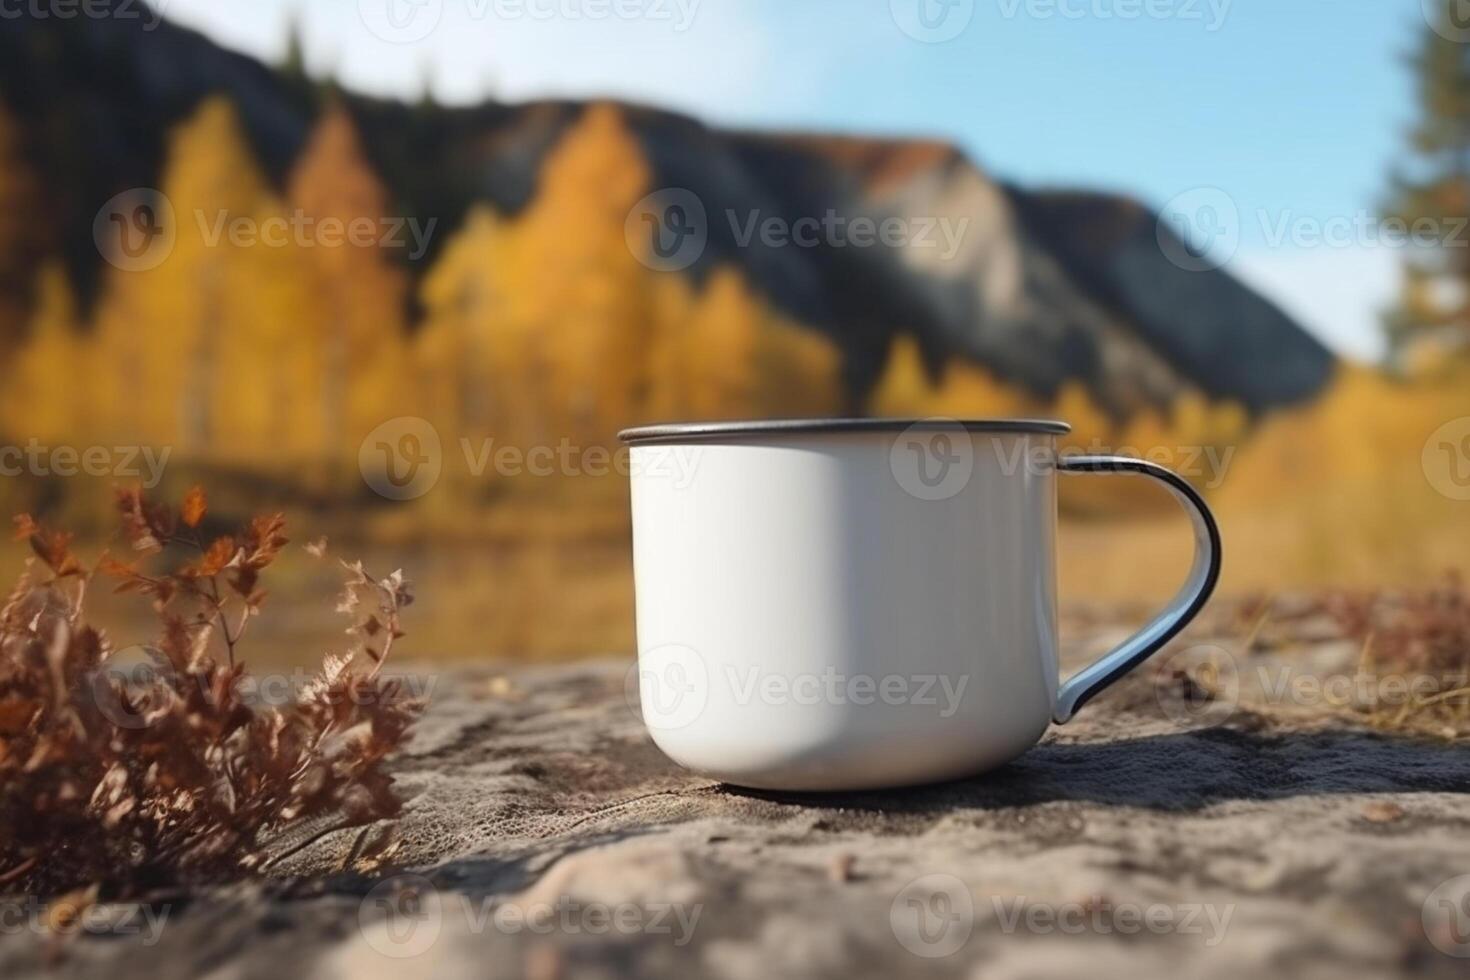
(712, 431)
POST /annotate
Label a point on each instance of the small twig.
(1444, 696)
(1260, 624)
(17, 871)
(219, 604)
(1365, 656)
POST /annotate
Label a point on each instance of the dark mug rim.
(715, 431)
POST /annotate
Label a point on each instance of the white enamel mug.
(862, 603)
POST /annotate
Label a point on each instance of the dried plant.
(177, 776)
(1426, 629)
(1412, 672)
(1422, 632)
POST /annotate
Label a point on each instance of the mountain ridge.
(1048, 286)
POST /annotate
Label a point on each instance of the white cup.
(862, 603)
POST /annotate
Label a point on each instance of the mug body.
(845, 606)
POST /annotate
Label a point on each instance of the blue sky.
(1293, 109)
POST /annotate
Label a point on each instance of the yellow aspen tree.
(579, 282)
(479, 360)
(748, 361)
(358, 282)
(721, 339)
(969, 390)
(670, 353)
(904, 389)
(44, 394)
(799, 371)
(724, 353)
(159, 328)
(1092, 429)
(963, 389)
(266, 392)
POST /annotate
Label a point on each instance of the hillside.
(1044, 287)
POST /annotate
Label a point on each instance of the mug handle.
(1082, 686)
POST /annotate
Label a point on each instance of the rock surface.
(1153, 836)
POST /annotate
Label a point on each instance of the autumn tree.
(1431, 190)
(160, 325)
(358, 288)
(538, 326)
(480, 363)
(206, 349)
(962, 389)
(671, 351)
(799, 371)
(268, 365)
(577, 281)
(33, 402)
(725, 353)
(547, 325)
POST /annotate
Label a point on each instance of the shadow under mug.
(864, 603)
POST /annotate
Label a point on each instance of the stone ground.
(1252, 835)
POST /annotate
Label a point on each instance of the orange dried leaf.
(111, 567)
(25, 526)
(16, 714)
(54, 548)
(194, 506)
(214, 560)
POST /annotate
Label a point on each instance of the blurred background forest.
(177, 273)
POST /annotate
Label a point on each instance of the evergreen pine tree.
(1432, 191)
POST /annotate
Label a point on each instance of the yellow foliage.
(357, 293)
(724, 354)
(546, 326)
(481, 360)
(1360, 425)
(260, 339)
(1193, 429)
(575, 277)
(160, 329)
(1338, 490)
(798, 372)
(964, 389)
(904, 388)
(266, 357)
(33, 401)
